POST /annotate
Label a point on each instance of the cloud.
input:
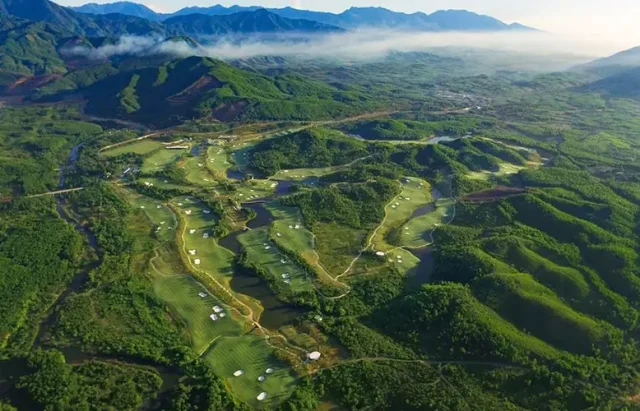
(357, 45)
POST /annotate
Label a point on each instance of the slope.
(198, 87)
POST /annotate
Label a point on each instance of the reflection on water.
(423, 272)
(276, 313)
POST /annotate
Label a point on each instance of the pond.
(276, 313)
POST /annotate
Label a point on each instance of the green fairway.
(252, 190)
(217, 161)
(262, 252)
(159, 214)
(139, 147)
(415, 194)
(196, 172)
(417, 231)
(505, 169)
(159, 159)
(298, 240)
(181, 292)
(251, 354)
(303, 174)
(213, 259)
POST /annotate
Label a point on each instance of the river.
(11, 369)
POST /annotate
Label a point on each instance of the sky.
(615, 21)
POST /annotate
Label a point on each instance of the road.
(53, 193)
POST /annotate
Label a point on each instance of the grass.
(141, 147)
(218, 162)
(196, 172)
(417, 231)
(181, 293)
(252, 190)
(415, 194)
(298, 240)
(255, 243)
(159, 159)
(253, 355)
(505, 169)
(215, 260)
(337, 245)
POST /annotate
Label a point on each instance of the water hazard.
(276, 313)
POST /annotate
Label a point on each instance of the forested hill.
(205, 88)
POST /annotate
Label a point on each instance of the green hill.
(447, 318)
(205, 88)
(532, 307)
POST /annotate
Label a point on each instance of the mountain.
(122, 7)
(614, 64)
(198, 87)
(625, 84)
(79, 23)
(250, 22)
(355, 17)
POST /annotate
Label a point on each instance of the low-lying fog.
(363, 45)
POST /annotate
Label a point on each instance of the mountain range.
(352, 18)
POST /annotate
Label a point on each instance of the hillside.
(625, 84)
(614, 64)
(79, 23)
(205, 88)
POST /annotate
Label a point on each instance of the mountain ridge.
(354, 17)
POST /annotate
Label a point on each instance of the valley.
(452, 229)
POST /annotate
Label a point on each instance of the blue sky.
(612, 19)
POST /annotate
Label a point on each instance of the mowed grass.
(251, 354)
(415, 194)
(505, 169)
(298, 240)
(157, 213)
(163, 183)
(337, 245)
(304, 174)
(214, 259)
(252, 190)
(218, 162)
(159, 159)
(417, 231)
(181, 293)
(141, 147)
(264, 253)
(196, 172)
